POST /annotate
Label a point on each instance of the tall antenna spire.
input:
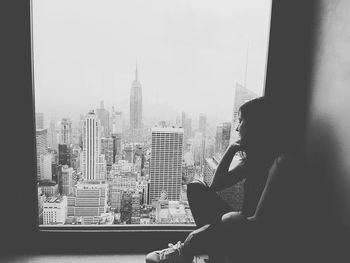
(136, 73)
(246, 67)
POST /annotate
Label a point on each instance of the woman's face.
(242, 129)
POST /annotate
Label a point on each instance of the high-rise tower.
(39, 120)
(103, 116)
(93, 163)
(41, 149)
(202, 124)
(66, 131)
(166, 163)
(135, 107)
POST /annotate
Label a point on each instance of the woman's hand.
(236, 147)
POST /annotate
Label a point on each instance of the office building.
(135, 108)
(202, 124)
(64, 154)
(117, 122)
(135, 208)
(222, 139)
(55, 210)
(126, 207)
(166, 163)
(66, 131)
(117, 145)
(107, 150)
(53, 135)
(41, 148)
(115, 196)
(39, 120)
(88, 201)
(48, 188)
(46, 167)
(129, 151)
(67, 180)
(103, 116)
(93, 163)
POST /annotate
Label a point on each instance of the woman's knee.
(233, 218)
(196, 186)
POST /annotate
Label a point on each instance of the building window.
(135, 99)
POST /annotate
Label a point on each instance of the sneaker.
(172, 254)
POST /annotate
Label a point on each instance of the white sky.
(190, 54)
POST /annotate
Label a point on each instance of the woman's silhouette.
(258, 146)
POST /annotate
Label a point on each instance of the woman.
(214, 218)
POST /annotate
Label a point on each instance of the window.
(134, 99)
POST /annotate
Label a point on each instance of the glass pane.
(135, 99)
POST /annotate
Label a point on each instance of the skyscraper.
(135, 107)
(166, 163)
(93, 163)
(103, 116)
(52, 135)
(202, 124)
(117, 122)
(64, 154)
(45, 167)
(222, 140)
(66, 180)
(41, 148)
(66, 131)
(39, 120)
(117, 129)
(107, 150)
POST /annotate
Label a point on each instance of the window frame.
(64, 238)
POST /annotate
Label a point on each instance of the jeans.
(207, 209)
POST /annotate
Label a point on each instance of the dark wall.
(328, 134)
(308, 80)
(328, 123)
(17, 133)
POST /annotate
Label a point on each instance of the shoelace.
(173, 251)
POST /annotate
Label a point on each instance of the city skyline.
(134, 99)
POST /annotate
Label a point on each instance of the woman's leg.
(219, 238)
(205, 204)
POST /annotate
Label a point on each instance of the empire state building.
(135, 108)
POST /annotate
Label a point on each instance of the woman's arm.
(276, 189)
(223, 177)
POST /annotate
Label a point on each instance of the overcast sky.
(190, 54)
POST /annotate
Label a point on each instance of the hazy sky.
(190, 54)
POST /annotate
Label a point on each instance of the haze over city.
(190, 55)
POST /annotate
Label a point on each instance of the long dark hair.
(262, 130)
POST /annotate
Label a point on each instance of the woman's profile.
(214, 218)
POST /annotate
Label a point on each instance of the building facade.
(55, 210)
(66, 131)
(39, 120)
(135, 108)
(88, 201)
(166, 163)
(93, 163)
(41, 148)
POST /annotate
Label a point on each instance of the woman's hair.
(261, 129)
